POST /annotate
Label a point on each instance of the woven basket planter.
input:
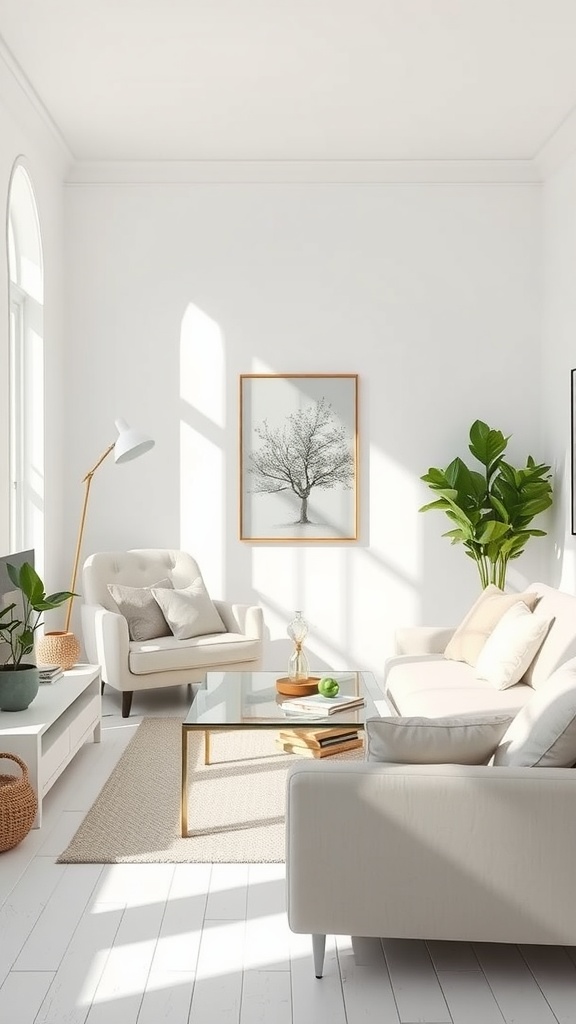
(18, 805)
(58, 648)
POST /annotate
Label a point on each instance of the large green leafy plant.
(18, 633)
(491, 510)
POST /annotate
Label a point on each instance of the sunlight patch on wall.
(395, 523)
(202, 379)
(202, 455)
(202, 503)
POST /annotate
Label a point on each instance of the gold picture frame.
(298, 457)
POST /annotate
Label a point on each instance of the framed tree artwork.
(298, 457)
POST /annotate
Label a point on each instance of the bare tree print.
(310, 450)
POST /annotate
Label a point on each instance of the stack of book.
(319, 742)
(50, 673)
(316, 704)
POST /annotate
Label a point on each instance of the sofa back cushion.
(140, 567)
(560, 643)
(477, 625)
(543, 733)
(512, 646)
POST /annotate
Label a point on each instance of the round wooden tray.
(297, 688)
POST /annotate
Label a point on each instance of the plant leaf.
(54, 600)
(486, 445)
(493, 530)
(30, 583)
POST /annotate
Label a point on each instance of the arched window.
(26, 358)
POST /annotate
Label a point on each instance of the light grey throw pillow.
(190, 612)
(455, 740)
(543, 734)
(142, 613)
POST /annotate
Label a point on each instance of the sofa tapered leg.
(318, 949)
(102, 687)
(126, 702)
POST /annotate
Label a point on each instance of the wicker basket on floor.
(18, 805)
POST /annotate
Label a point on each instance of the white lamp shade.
(130, 443)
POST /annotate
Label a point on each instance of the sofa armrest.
(432, 852)
(422, 639)
(107, 644)
(242, 618)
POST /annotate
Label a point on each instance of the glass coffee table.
(249, 700)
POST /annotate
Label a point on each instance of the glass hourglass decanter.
(298, 667)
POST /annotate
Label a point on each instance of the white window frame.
(26, 370)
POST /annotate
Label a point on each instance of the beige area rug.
(236, 806)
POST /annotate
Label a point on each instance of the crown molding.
(280, 172)
(13, 81)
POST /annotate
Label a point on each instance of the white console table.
(49, 732)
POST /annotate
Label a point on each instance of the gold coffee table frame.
(252, 699)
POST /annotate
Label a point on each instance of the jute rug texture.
(236, 805)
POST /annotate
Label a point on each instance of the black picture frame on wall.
(573, 449)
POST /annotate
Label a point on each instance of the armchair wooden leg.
(126, 702)
(102, 687)
(318, 950)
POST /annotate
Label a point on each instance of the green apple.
(328, 687)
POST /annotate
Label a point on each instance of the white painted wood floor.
(169, 944)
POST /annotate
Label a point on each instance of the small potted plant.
(19, 680)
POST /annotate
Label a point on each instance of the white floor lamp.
(62, 647)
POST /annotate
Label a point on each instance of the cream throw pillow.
(190, 612)
(455, 740)
(543, 733)
(512, 646)
(141, 611)
(484, 615)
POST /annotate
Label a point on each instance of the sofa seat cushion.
(166, 653)
(433, 688)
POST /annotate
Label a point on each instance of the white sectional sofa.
(475, 852)
(419, 680)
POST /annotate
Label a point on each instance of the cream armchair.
(129, 665)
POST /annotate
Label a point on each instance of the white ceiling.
(298, 79)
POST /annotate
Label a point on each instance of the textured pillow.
(141, 611)
(484, 615)
(543, 733)
(455, 740)
(512, 646)
(189, 612)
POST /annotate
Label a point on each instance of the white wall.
(26, 135)
(559, 354)
(430, 293)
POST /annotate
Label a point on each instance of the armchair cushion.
(140, 609)
(189, 612)
(470, 739)
(212, 651)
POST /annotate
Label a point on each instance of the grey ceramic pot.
(18, 687)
